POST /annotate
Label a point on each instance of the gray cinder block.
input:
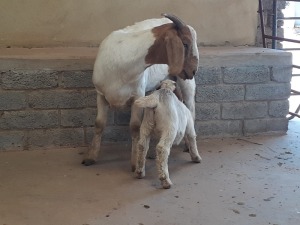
(11, 120)
(244, 110)
(246, 74)
(270, 91)
(29, 79)
(12, 100)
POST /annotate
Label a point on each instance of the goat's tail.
(149, 101)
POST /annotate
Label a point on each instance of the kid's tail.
(149, 101)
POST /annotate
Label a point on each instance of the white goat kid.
(169, 119)
(124, 55)
(185, 90)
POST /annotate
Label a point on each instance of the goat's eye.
(185, 46)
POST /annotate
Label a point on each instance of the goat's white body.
(120, 63)
(170, 120)
(121, 75)
(118, 77)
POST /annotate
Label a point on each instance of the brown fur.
(173, 47)
(157, 53)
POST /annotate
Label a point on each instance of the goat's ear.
(175, 53)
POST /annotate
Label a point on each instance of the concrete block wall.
(241, 93)
(44, 109)
(240, 103)
(52, 102)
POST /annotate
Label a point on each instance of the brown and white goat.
(170, 120)
(119, 70)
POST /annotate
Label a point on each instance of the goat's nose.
(194, 72)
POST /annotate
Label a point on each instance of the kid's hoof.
(88, 162)
(139, 174)
(166, 184)
(197, 159)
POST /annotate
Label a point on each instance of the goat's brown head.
(175, 45)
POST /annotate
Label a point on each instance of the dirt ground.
(249, 180)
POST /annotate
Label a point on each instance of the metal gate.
(275, 38)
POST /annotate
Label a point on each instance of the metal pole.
(274, 24)
(282, 39)
(262, 26)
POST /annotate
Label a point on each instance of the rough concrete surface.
(249, 180)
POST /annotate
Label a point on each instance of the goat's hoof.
(197, 159)
(139, 174)
(166, 184)
(88, 162)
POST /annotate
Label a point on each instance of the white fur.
(170, 119)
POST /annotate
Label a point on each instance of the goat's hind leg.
(94, 149)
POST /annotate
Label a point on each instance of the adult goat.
(119, 70)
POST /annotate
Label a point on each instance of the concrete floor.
(240, 181)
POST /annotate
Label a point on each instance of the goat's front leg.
(190, 103)
(188, 90)
(135, 124)
(162, 154)
(93, 151)
(190, 135)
